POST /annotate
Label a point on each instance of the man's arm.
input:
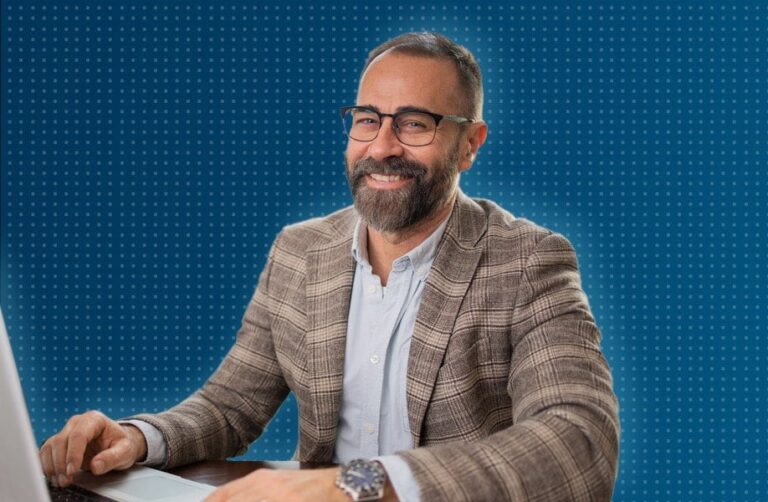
(563, 444)
(219, 420)
(231, 410)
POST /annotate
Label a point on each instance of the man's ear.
(474, 138)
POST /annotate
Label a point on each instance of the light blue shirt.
(374, 414)
(373, 421)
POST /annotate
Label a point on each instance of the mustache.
(395, 166)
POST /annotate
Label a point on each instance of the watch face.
(363, 480)
(363, 476)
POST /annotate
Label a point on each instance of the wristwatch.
(362, 480)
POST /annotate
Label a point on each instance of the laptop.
(21, 474)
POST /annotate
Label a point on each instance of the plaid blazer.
(508, 393)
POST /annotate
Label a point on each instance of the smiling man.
(438, 347)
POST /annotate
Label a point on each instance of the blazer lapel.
(330, 271)
(457, 258)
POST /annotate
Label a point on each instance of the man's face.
(396, 186)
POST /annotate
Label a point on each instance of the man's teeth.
(381, 177)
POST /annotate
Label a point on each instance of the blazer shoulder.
(302, 237)
(510, 239)
(504, 226)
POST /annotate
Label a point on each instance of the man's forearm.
(546, 458)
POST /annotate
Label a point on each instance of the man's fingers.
(119, 456)
(277, 485)
(46, 459)
(84, 432)
(250, 487)
(230, 490)
(59, 455)
(53, 459)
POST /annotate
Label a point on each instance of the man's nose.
(386, 143)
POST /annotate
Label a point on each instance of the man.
(443, 341)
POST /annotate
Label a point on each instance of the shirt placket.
(386, 307)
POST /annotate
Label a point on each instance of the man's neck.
(386, 247)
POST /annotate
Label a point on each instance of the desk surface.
(219, 472)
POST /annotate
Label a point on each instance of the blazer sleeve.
(563, 442)
(232, 408)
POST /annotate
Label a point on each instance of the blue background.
(152, 150)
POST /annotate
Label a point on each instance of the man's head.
(395, 184)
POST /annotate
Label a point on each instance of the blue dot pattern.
(152, 150)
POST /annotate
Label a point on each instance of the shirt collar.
(420, 257)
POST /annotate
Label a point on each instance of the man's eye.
(366, 121)
(413, 124)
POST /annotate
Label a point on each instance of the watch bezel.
(358, 492)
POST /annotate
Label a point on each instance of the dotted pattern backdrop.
(152, 150)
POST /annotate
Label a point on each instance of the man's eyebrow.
(370, 107)
(412, 108)
(405, 108)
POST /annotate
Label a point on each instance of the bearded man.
(438, 347)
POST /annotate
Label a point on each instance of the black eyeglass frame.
(436, 116)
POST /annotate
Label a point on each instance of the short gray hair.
(435, 45)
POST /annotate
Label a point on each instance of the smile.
(382, 177)
(386, 180)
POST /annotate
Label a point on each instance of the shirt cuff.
(157, 450)
(401, 477)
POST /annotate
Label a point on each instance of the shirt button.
(371, 289)
(374, 359)
(369, 428)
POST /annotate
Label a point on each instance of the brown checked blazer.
(509, 396)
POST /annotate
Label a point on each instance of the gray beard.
(401, 208)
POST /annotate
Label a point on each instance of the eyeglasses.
(412, 127)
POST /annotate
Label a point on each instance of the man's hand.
(92, 442)
(282, 486)
(265, 485)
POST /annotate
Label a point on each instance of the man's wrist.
(390, 495)
(137, 439)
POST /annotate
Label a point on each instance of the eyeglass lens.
(411, 128)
